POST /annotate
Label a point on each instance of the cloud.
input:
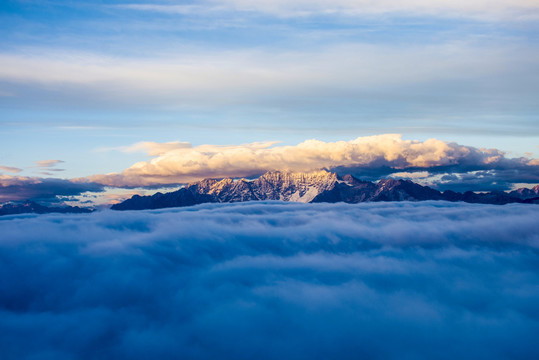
(10, 169)
(500, 179)
(191, 9)
(48, 163)
(154, 148)
(46, 166)
(480, 10)
(273, 281)
(381, 154)
(465, 75)
(410, 175)
(17, 188)
(116, 195)
(502, 176)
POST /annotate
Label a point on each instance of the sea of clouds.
(271, 280)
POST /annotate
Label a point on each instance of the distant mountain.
(31, 207)
(284, 186)
(301, 187)
(524, 193)
(318, 186)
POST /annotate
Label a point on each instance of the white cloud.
(411, 175)
(186, 164)
(451, 72)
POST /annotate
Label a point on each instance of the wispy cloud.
(181, 164)
(273, 281)
(461, 74)
(151, 148)
(480, 9)
(48, 163)
(187, 9)
(10, 169)
(46, 166)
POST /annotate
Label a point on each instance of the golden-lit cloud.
(183, 164)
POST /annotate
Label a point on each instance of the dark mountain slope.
(318, 186)
(31, 207)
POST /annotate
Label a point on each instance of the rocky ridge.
(318, 186)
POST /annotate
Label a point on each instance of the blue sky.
(80, 80)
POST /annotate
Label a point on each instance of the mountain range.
(28, 207)
(312, 187)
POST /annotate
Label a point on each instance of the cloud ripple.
(272, 281)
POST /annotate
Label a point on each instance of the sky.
(103, 99)
(273, 280)
(126, 95)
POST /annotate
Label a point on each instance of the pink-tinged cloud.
(181, 164)
(48, 163)
(9, 169)
(154, 148)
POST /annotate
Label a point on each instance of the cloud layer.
(479, 9)
(273, 281)
(337, 75)
(180, 163)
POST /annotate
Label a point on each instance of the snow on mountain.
(525, 193)
(317, 186)
(275, 185)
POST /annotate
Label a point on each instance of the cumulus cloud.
(273, 281)
(182, 164)
(17, 188)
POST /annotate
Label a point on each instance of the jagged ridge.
(318, 186)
